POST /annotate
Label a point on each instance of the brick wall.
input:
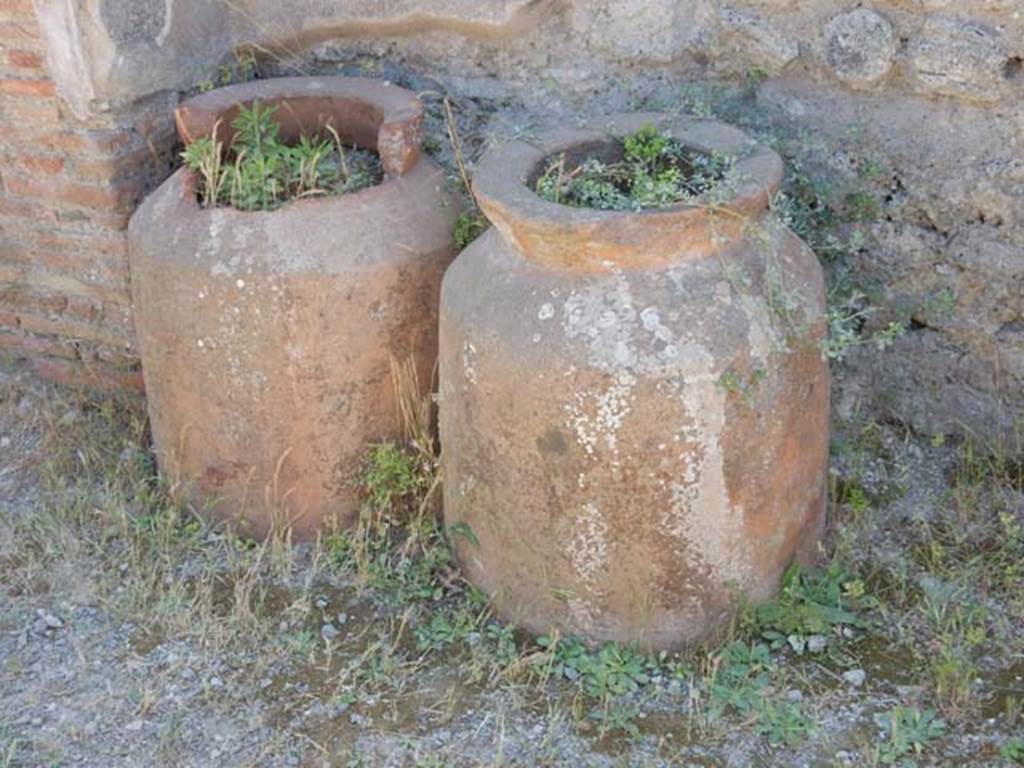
(67, 188)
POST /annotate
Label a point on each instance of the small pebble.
(855, 677)
(795, 695)
(329, 632)
(816, 643)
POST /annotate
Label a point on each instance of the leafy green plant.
(617, 715)
(656, 170)
(258, 171)
(444, 629)
(741, 679)
(740, 670)
(811, 603)
(391, 474)
(612, 670)
(908, 730)
(1013, 750)
(782, 722)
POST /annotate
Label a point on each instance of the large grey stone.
(956, 57)
(653, 31)
(860, 47)
(744, 42)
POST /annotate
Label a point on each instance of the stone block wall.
(908, 113)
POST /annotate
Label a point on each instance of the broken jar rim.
(370, 114)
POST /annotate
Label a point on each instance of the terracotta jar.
(634, 406)
(267, 336)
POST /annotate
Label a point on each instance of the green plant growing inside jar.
(649, 170)
(259, 172)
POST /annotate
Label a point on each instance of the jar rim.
(567, 235)
(374, 114)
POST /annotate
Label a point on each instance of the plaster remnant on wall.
(161, 38)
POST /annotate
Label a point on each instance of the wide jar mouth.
(587, 239)
(369, 114)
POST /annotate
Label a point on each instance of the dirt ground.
(133, 634)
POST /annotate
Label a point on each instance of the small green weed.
(243, 69)
(782, 723)
(848, 315)
(741, 679)
(908, 731)
(617, 715)
(811, 603)
(446, 628)
(861, 206)
(1013, 750)
(656, 171)
(742, 383)
(612, 670)
(9, 748)
(393, 474)
(468, 227)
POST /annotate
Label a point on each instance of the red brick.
(108, 378)
(25, 59)
(38, 113)
(98, 143)
(27, 87)
(119, 196)
(112, 221)
(73, 285)
(112, 168)
(39, 164)
(20, 298)
(38, 345)
(22, 8)
(70, 329)
(10, 274)
(80, 246)
(10, 206)
(18, 32)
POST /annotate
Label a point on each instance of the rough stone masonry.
(926, 93)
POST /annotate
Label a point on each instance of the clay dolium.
(267, 336)
(634, 406)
